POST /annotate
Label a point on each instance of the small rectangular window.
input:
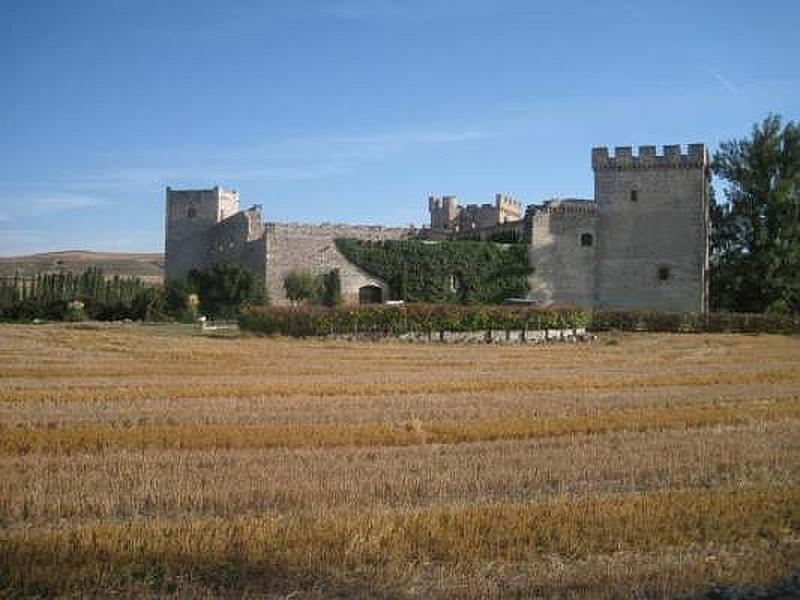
(634, 195)
(663, 273)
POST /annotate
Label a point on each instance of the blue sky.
(356, 110)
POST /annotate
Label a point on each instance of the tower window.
(586, 240)
(634, 195)
(192, 212)
(663, 273)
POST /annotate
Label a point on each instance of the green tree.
(177, 293)
(756, 233)
(332, 288)
(223, 289)
(302, 286)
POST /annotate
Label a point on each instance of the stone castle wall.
(642, 243)
(239, 240)
(562, 251)
(312, 248)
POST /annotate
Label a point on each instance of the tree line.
(219, 292)
(75, 296)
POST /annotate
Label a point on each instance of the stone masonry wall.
(311, 248)
(564, 264)
(239, 240)
(190, 217)
(652, 228)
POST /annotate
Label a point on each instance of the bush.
(396, 320)
(301, 286)
(223, 289)
(428, 318)
(332, 289)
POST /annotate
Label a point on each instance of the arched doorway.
(370, 294)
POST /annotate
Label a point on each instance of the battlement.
(563, 207)
(506, 201)
(338, 230)
(447, 203)
(647, 157)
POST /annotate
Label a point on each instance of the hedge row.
(396, 320)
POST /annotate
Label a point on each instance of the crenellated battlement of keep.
(672, 157)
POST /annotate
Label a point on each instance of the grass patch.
(199, 437)
(245, 550)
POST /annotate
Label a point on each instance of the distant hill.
(148, 266)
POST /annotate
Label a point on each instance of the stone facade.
(653, 226)
(563, 252)
(192, 215)
(641, 243)
(447, 214)
(311, 248)
(205, 227)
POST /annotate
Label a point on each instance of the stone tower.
(444, 211)
(191, 216)
(652, 228)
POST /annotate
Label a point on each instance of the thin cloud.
(291, 159)
(722, 80)
(47, 203)
(633, 12)
(60, 203)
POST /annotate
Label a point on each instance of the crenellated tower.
(444, 211)
(652, 227)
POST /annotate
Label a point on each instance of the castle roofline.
(564, 206)
(647, 158)
(216, 188)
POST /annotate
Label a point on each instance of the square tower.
(652, 228)
(190, 217)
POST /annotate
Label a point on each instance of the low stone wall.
(492, 336)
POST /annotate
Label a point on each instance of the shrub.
(433, 318)
(332, 289)
(301, 286)
(223, 289)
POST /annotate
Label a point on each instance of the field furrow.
(149, 461)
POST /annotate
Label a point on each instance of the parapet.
(338, 230)
(567, 206)
(508, 205)
(647, 158)
(436, 202)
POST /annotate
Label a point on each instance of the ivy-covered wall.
(465, 272)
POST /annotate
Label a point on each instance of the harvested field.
(154, 461)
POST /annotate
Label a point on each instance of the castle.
(641, 242)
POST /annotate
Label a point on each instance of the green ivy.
(466, 272)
